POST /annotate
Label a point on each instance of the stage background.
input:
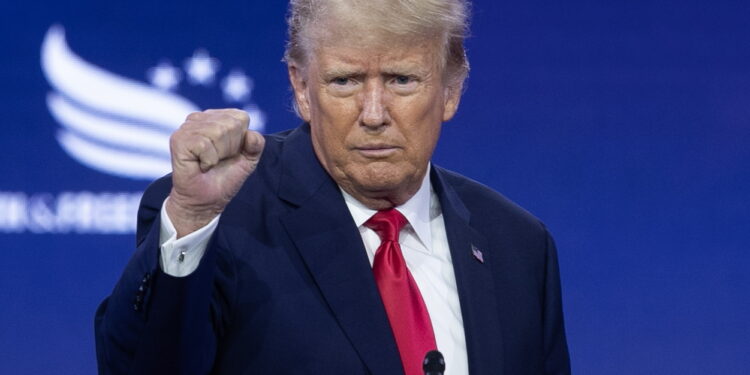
(623, 125)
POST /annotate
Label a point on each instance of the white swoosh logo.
(109, 123)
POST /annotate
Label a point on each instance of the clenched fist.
(213, 153)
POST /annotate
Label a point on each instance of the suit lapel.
(476, 291)
(328, 241)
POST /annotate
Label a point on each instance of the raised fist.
(213, 153)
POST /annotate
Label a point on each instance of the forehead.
(397, 55)
(401, 54)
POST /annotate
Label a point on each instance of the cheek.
(424, 107)
(424, 144)
(421, 121)
(331, 124)
(334, 107)
(337, 118)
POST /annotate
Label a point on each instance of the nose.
(374, 109)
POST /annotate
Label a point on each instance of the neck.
(381, 200)
(385, 199)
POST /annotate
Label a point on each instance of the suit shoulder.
(487, 205)
(275, 141)
(266, 174)
(272, 150)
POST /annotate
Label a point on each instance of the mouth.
(377, 151)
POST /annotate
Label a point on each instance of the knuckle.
(201, 147)
(229, 126)
(226, 119)
(237, 116)
(204, 143)
(241, 115)
(194, 116)
(215, 131)
(225, 123)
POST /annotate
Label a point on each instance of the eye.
(403, 84)
(402, 80)
(341, 81)
(342, 86)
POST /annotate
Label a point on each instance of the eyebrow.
(341, 72)
(397, 69)
(405, 70)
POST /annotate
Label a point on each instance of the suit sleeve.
(154, 323)
(557, 360)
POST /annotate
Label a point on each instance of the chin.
(383, 178)
(377, 187)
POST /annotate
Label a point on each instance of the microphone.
(433, 363)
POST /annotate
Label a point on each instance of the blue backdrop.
(623, 125)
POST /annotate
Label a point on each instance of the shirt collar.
(416, 210)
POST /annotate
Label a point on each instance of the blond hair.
(443, 20)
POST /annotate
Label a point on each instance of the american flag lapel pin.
(477, 253)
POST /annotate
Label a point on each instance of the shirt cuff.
(180, 257)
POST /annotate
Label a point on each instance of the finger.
(223, 132)
(233, 138)
(253, 145)
(204, 151)
(211, 136)
(228, 132)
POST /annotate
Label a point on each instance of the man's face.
(375, 115)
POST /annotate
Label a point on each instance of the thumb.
(253, 144)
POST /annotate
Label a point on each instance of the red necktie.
(406, 310)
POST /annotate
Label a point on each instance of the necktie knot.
(387, 224)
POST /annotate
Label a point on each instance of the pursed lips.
(379, 150)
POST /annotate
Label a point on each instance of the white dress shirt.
(424, 244)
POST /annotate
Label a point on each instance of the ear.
(301, 95)
(452, 99)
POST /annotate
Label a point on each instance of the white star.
(164, 76)
(237, 86)
(257, 117)
(201, 68)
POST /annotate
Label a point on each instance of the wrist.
(186, 218)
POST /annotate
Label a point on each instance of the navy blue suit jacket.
(285, 286)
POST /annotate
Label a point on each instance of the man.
(336, 247)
